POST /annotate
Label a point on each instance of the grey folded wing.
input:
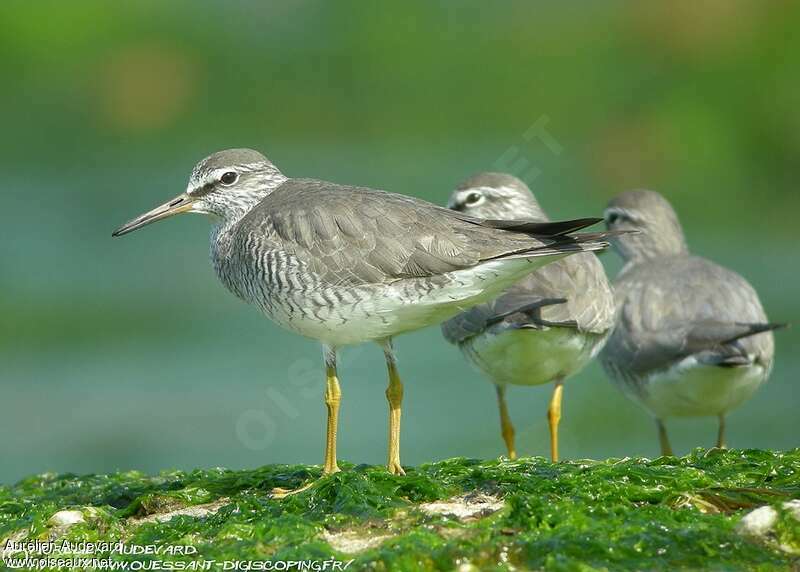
(684, 308)
(522, 311)
(710, 343)
(354, 236)
(568, 293)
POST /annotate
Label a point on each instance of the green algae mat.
(670, 513)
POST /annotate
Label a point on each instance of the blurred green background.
(128, 354)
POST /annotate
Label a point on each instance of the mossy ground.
(668, 513)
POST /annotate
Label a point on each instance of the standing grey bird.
(691, 337)
(345, 265)
(543, 329)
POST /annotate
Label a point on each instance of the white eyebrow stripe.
(502, 191)
(617, 211)
(199, 179)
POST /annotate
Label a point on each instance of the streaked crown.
(230, 182)
(212, 168)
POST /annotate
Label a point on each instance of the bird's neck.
(221, 251)
(226, 217)
(657, 258)
(226, 214)
(649, 244)
(224, 224)
(659, 250)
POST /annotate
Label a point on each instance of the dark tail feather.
(550, 229)
(526, 309)
(753, 329)
(733, 361)
(562, 243)
(581, 242)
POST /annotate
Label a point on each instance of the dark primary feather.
(705, 333)
(569, 293)
(715, 343)
(531, 309)
(557, 228)
(355, 236)
(681, 306)
(514, 305)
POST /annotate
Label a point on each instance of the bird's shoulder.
(679, 289)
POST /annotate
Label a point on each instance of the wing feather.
(353, 235)
(687, 306)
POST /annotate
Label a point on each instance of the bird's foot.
(280, 493)
(330, 469)
(394, 468)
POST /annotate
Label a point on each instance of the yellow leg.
(394, 395)
(333, 396)
(721, 433)
(506, 427)
(666, 448)
(554, 418)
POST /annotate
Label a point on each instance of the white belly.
(365, 322)
(382, 311)
(531, 357)
(691, 389)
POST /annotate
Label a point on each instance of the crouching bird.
(691, 337)
(544, 328)
(345, 265)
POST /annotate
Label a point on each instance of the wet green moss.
(665, 513)
(787, 530)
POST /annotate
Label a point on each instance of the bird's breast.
(693, 389)
(531, 357)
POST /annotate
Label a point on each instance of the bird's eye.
(473, 198)
(616, 216)
(229, 177)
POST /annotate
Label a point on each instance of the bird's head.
(496, 196)
(657, 229)
(224, 185)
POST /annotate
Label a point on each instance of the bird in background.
(543, 329)
(345, 265)
(691, 337)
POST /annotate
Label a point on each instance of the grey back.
(678, 306)
(355, 236)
